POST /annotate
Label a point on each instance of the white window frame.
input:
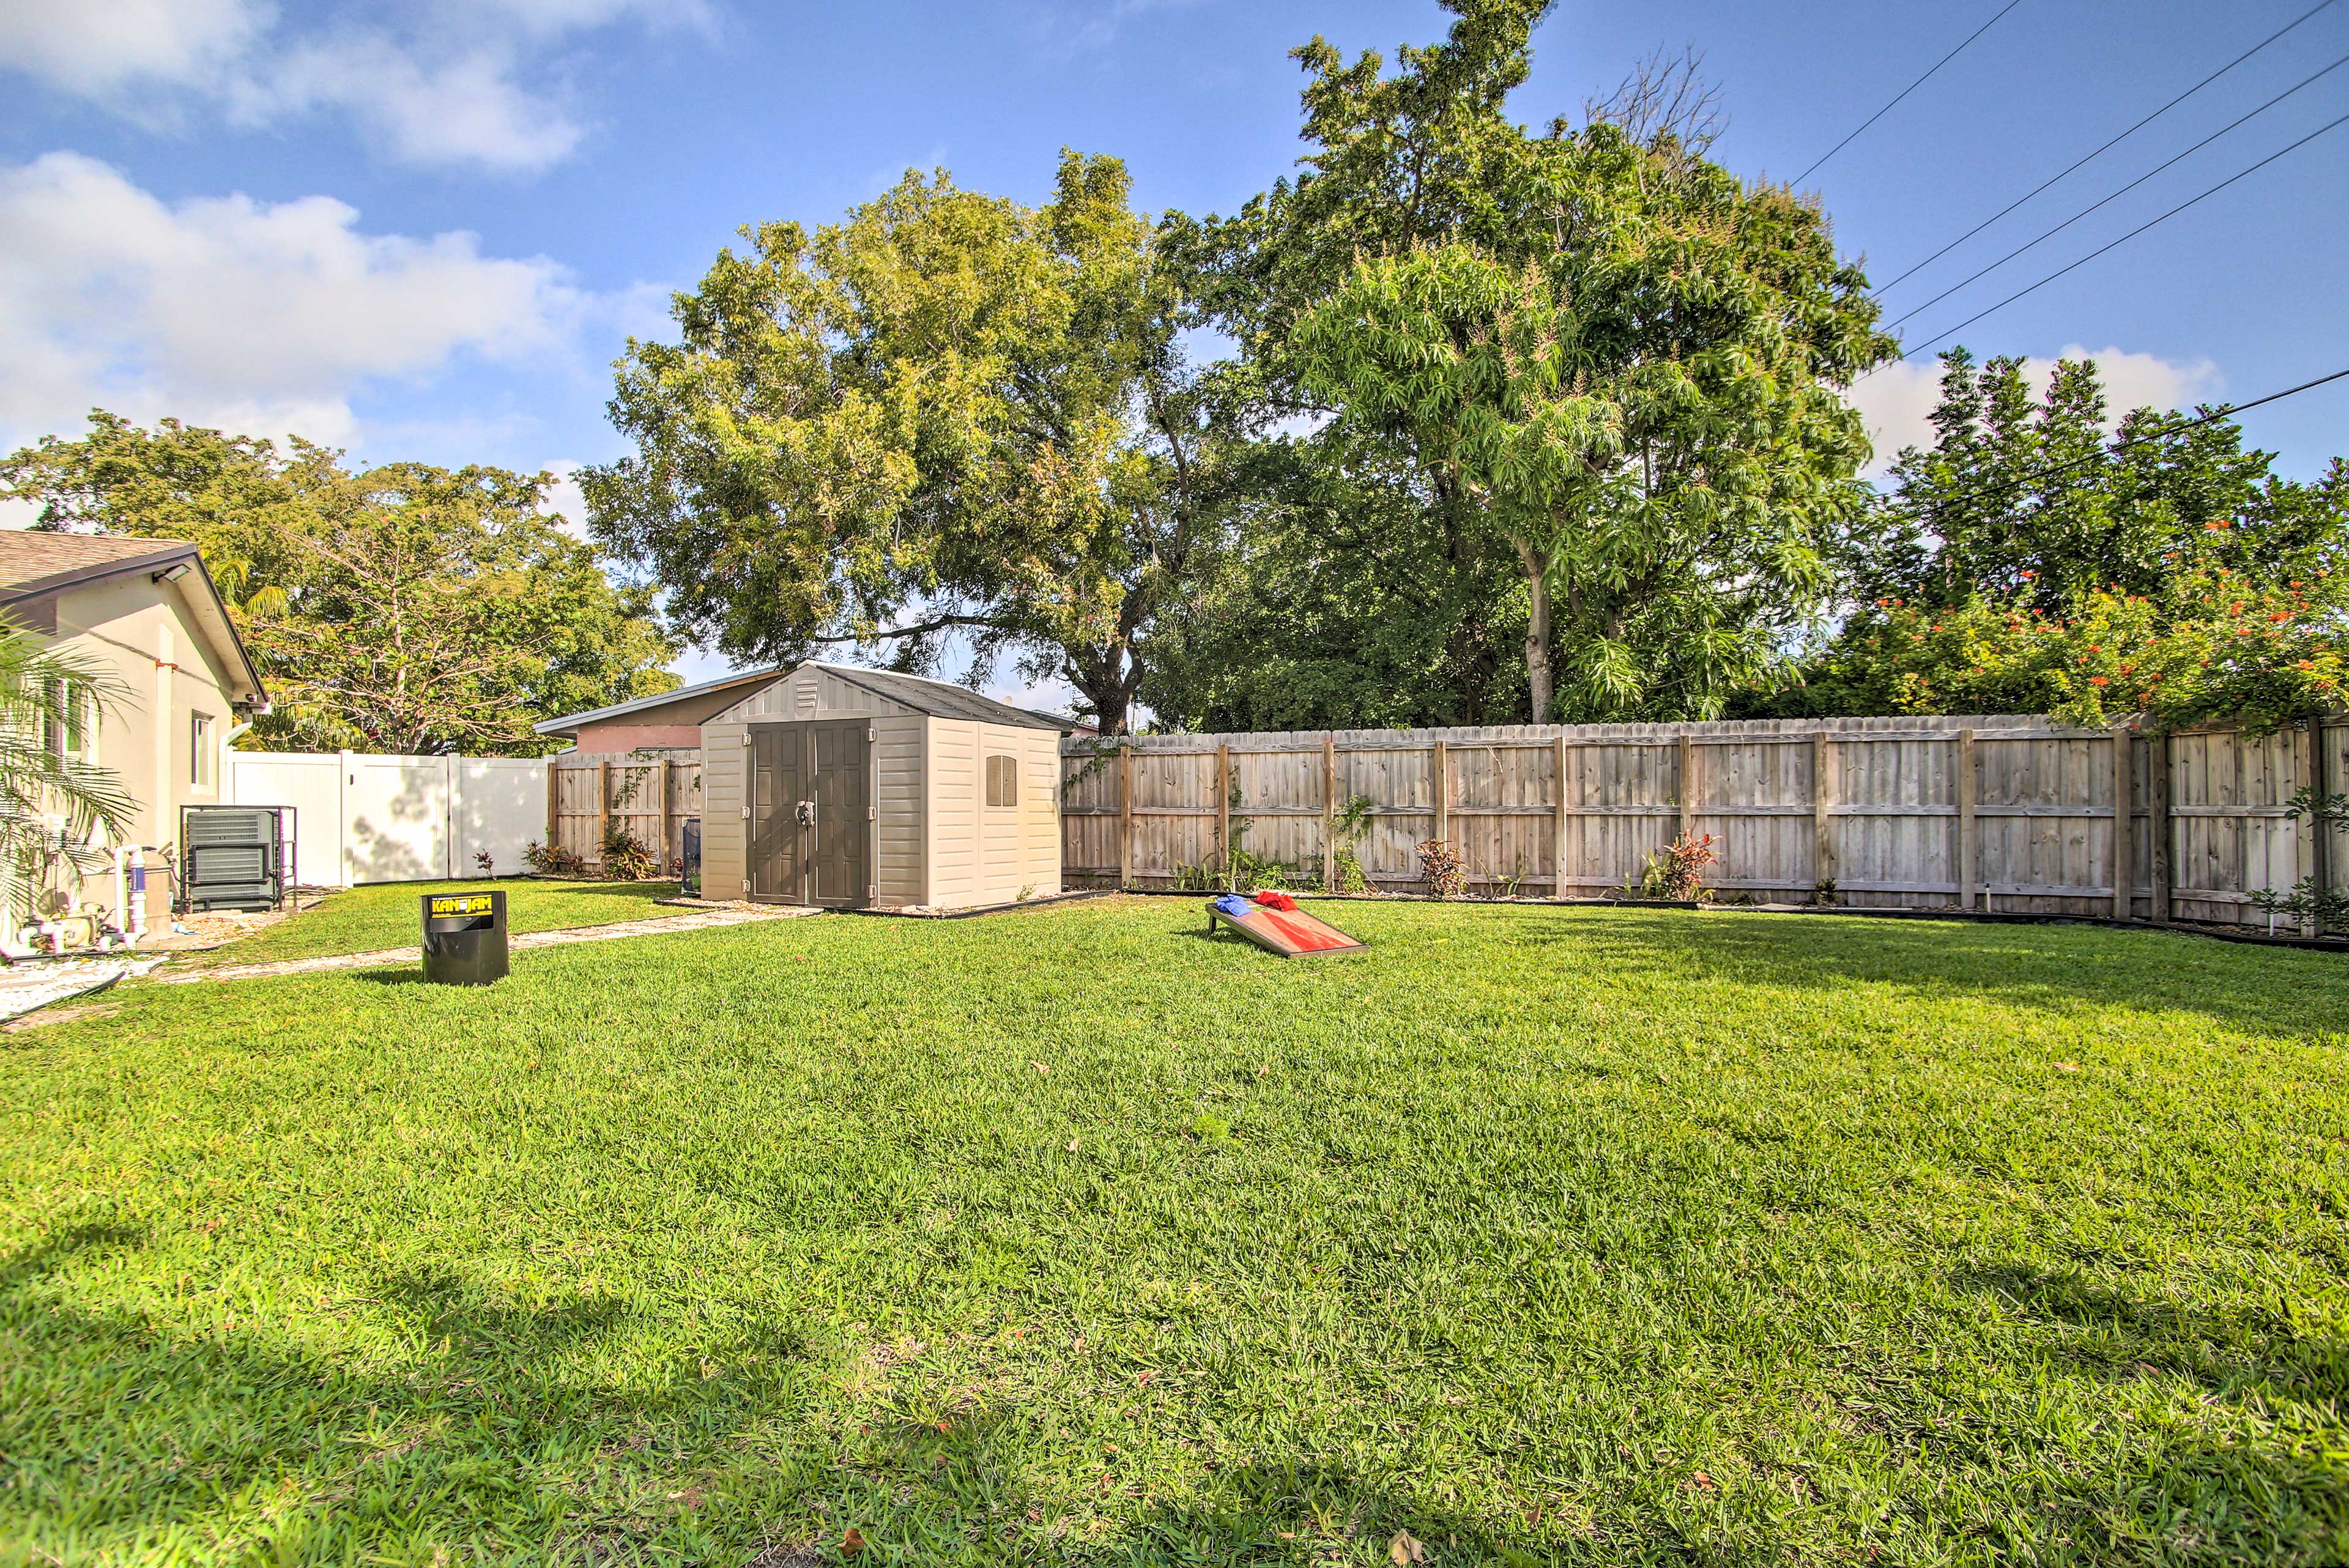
(77, 736)
(203, 753)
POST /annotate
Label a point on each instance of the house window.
(1003, 781)
(201, 764)
(66, 731)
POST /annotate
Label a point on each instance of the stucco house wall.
(169, 646)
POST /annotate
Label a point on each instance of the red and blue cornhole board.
(1290, 933)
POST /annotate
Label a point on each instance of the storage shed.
(856, 788)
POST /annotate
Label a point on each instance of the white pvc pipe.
(135, 924)
(128, 918)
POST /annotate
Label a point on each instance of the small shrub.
(626, 858)
(1241, 872)
(551, 860)
(2329, 906)
(1255, 874)
(1678, 872)
(1440, 868)
(486, 862)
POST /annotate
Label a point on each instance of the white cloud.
(256, 317)
(549, 18)
(1896, 400)
(467, 85)
(98, 49)
(1893, 401)
(564, 501)
(466, 109)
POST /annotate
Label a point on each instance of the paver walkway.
(698, 920)
(37, 983)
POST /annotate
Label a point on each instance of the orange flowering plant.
(2213, 646)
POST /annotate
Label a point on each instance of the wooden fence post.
(2157, 830)
(2306, 831)
(2123, 828)
(1969, 848)
(602, 807)
(660, 798)
(1224, 813)
(1560, 806)
(553, 804)
(1328, 814)
(2322, 753)
(1822, 797)
(1687, 791)
(1444, 791)
(1125, 813)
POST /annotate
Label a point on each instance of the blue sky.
(423, 231)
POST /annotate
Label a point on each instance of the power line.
(1904, 92)
(2132, 234)
(2225, 410)
(2109, 146)
(2051, 233)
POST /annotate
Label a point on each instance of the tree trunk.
(1538, 670)
(1107, 682)
(1112, 711)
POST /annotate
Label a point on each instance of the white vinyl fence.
(365, 818)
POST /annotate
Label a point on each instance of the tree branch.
(940, 623)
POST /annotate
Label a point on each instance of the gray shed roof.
(944, 700)
(721, 690)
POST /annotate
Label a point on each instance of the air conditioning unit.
(233, 857)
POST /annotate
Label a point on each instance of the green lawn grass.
(384, 915)
(1544, 1235)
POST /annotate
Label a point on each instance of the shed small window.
(1003, 781)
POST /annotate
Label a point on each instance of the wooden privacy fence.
(650, 796)
(2010, 813)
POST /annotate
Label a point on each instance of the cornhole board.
(1288, 933)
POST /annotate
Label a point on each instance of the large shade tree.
(1338, 604)
(404, 607)
(950, 415)
(2039, 557)
(1600, 356)
(2037, 492)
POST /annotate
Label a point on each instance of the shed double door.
(812, 813)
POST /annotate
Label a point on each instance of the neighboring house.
(145, 610)
(670, 722)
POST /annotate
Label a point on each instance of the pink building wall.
(620, 737)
